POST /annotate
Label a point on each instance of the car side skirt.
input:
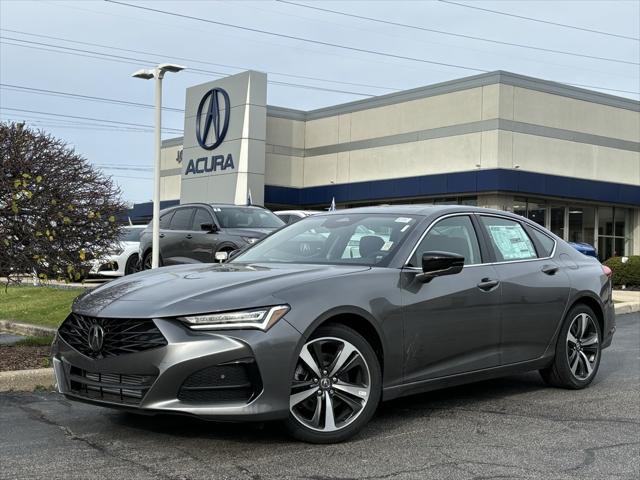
(422, 386)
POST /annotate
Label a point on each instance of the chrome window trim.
(489, 214)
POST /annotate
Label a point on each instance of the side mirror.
(437, 264)
(221, 257)
(209, 227)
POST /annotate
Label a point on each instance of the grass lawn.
(45, 306)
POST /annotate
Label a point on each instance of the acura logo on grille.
(96, 337)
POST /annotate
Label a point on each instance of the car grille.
(120, 336)
(237, 382)
(111, 387)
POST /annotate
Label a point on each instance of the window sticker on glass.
(386, 246)
(404, 228)
(512, 242)
(403, 220)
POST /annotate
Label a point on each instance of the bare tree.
(56, 211)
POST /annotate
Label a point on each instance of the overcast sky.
(31, 59)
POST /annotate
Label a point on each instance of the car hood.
(249, 232)
(192, 289)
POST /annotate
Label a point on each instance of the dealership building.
(565, 157)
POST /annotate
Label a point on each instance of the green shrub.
(625, 273)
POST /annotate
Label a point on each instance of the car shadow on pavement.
(395, 413)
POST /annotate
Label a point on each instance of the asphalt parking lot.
(508, 428)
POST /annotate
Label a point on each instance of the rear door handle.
(488, 284)
(189, 236)
(550, 269)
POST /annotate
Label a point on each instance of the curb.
(627, 307)
(27, 380)
(26, 329)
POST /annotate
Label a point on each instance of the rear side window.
(201, 216)
(165, 220)
(182, 219)
(545, 241)
(508, 239)
(453, 235)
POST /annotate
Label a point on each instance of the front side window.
(246, 217)
(508, 239)
(338, 239)
(452, 235)
(200, 218)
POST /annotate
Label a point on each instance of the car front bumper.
(111, 266)
(154, 381)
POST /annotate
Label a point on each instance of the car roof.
(420, 209)
(214, 205)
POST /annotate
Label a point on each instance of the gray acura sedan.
(320, 321)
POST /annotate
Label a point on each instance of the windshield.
(362, 239)
(246, 217)
(131, 234)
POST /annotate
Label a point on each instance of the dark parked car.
(385, 302)
(195, 232)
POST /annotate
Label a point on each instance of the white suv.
(124, 259)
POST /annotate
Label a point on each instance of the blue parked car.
(584, 248)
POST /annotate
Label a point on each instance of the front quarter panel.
(373, 295)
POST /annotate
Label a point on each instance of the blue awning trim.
(471, 182)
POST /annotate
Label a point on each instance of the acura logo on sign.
(96, 337)
(209, 123)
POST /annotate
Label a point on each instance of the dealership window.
(582, 224)
(613, 232)
(531, 209)
(556, 220)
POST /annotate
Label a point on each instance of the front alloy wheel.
(335, 387)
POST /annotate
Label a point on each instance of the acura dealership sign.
(214, 119)
(212, 123)
(224, 140)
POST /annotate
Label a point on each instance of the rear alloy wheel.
(131, 265)
(577, 351)
(335, 388)
(147, 260)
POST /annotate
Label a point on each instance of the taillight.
(607, 271)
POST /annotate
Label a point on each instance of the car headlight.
(258, 318)
(118, 251)
(250, 240)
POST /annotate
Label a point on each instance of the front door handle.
(488, 284)
(550, 269)
(189, 236)
(161, 235)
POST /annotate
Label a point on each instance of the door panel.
(202, 243)
(175, 249)
(533, 304)
(451, 325)
(535, 289)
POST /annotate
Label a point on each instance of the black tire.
(587, 356)
(146, 261)
(303, 432)
(131, 265)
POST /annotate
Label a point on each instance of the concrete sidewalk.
(626, 301)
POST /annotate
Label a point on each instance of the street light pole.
(158, 74)
(155, 243)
